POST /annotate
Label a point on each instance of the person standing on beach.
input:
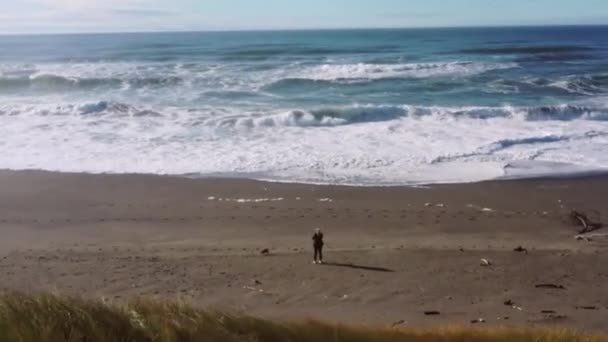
(317, 244)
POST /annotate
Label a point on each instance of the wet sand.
(392, 253)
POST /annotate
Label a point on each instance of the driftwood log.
(583, 220)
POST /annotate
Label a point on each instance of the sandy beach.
(391, 253)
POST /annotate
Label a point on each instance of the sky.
(70, 16)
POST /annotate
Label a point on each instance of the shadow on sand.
(359, 267)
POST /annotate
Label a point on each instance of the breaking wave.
(367, 114)
(323, 116)
(57, 82)
(363, 71)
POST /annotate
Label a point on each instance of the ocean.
(357, 107)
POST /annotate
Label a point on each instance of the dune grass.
(48, 318)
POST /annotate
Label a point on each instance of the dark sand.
(393, 253)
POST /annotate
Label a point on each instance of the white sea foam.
(405, 70)
(407, 145)
(246, 200)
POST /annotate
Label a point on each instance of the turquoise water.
(346, 106)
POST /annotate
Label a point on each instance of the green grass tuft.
(47, 318)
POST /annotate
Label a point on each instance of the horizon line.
(303, 29)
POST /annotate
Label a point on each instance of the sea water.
(364, 107)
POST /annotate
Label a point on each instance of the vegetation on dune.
(45, 318)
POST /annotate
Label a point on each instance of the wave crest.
(319, 117)
(363, 71)
(52, 82)
(327, 117)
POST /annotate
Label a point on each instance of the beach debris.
(246, 200)
(504, 318)
(432, 313)
(583, 238)
(586, 307)
(326, 200)
(512, 304)
(253, 289)
(399, 322)
(257, 200)
(479, 320)
(265, 251)
(428, 204)
(584, 221)
(549, 318)
(485, 263)
(482, 209)
(440, 205)
(550, 286)
(256, 282)
(520, 249)
(547, 312)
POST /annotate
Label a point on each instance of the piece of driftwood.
(584, 221)
(432, 313)
(586, 307)
(550, 286)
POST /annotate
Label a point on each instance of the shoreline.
(598, 173)
(392, 252)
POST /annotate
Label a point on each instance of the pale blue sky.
(52, 16)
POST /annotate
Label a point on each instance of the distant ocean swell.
(171, 76)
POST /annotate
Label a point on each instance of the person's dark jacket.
(317, 239)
